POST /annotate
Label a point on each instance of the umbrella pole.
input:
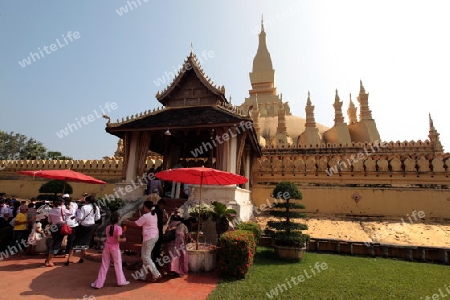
(64, 187)
(199, 217)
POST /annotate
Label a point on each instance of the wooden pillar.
(247, 168)
(132, 158)
(233, 153)
(226, 153)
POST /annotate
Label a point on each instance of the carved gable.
(191, 87)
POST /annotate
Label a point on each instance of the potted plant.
(287, 238)
(222, 215)
(201, 258)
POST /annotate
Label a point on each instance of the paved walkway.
(24, 277)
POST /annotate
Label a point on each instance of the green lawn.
(336, 277)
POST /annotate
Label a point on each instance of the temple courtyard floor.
(23, 277)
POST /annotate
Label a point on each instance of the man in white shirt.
(86, 217)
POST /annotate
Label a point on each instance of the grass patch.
(346, 277)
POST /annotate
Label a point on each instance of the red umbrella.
(65, 175)
(201, 176)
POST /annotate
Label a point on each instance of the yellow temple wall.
(393, 203)
(389, 186)
(388, 182)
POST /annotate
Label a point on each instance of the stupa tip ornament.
(361, 87)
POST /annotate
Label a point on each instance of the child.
(37, 234)
(113, 238)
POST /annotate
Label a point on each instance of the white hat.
(66, 196)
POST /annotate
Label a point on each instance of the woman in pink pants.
(112, 249)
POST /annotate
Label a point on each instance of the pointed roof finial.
(431, 120)
(336, 98)
(262, 23)
(361, 87)
(192, 48)
(351, 112)
(308, 101)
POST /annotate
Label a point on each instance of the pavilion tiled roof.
(180, 117)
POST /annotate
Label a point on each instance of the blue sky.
(400, 49)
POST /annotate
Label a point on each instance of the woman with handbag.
(56, 217)
(86, 217)
(73, 224)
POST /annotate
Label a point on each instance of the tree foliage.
(56, 155)
(18, 146)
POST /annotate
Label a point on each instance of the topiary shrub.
(287, 232)
(252, 227)
(55, 187)
(237, 249)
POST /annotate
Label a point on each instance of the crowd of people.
(39, 223)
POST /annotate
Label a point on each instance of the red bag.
(65, 229)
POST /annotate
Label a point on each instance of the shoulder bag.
(65, 229)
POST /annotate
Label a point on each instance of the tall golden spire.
(363, 99)
(309, 109)
(434, 137)
(338, 117)
(263, 72)
(309, 137)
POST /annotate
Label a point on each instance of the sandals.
(50, 265)
(125, 283)
(93, 286)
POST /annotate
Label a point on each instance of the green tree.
(56, 155)
(18, 146)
